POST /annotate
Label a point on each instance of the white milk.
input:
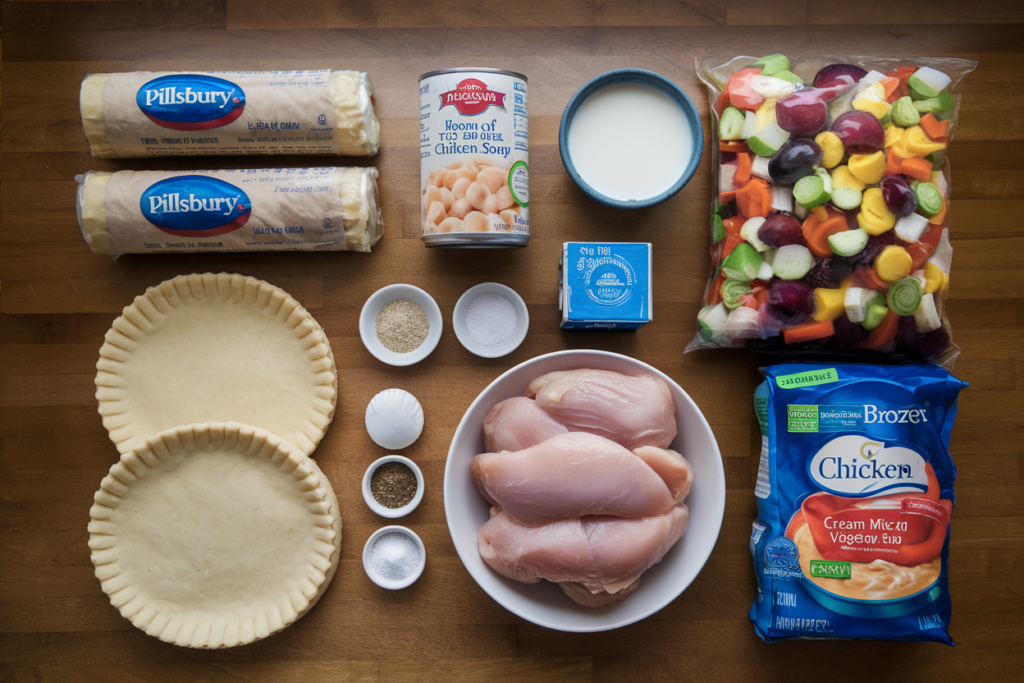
(630, 141)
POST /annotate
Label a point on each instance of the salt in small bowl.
(368, 323)
(392, 513)
(462, 330)
(384, 582)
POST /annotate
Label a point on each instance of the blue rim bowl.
(643, 77)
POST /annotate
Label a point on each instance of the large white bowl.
(544, 603)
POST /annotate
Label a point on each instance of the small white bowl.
(392, 513)
(381, 298)
(543, 603)
(462, 331)
(391, 584)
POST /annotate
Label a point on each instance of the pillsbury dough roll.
(281, 209)
(148, 114)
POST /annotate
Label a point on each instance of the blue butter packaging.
(605, 285)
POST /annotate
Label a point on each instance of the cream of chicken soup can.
(474, 146)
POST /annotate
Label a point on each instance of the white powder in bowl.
(394, 556)
(491, 320)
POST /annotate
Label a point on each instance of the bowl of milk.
(630, 138)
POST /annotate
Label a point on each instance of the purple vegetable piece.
(848, 335)
(874, 247)
(727, 157)
(769, 322)
(898, 195)
(828, 273)
(838, 74)
(794, 160)
(860, 132)
(781, 229)
(804, 114)
(792, 301)
(921, 346)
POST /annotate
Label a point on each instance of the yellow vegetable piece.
(868, 168)
(872, 99)
(918, 144)
(878, 109)
(875, 217)
(894, 135)
(828, 303)
(832, 150)
(933, 278)
(842, 178)
(894, 263)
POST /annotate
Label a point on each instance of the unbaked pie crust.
(214, 535)
(216, 348)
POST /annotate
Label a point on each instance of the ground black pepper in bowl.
(393, 485)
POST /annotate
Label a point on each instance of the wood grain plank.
(146, 15)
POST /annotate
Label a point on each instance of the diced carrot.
(733, 225)
(871, 280)
(818, 240)
(902, 73)
(754, 198)
(743, 169)
(901, 91)
(916, 167)
(731, 242)
(735, 146)
(920, 250)
(935, 128)
(893, 162)
(762, 297)
(890, 83)
(941, 215)
(819, 214)
(727, 197)
(722, 102)
(883, 333)
(809, 331)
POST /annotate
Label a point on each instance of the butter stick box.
(605, 285)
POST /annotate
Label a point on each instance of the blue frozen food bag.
(854, 499)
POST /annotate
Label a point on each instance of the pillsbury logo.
(857, 467)
(191, 101)
(195, 206)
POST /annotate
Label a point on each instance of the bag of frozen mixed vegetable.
(830, 229)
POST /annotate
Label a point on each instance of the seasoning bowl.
(462, 330)
(383, 581)
(381, 298)
(638, 77)
(392, 513)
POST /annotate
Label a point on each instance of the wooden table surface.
(58, 299)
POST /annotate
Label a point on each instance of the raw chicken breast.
(518, 423)
(631, 411)
(605, 554)
(582, 595)
(572, 475)
(675, 470)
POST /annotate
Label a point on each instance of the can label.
(474, 145)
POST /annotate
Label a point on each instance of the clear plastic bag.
(830, 225)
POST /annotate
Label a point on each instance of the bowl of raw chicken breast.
(584, 490)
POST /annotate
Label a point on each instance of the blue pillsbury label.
(606, 285)
(191, 101)
(195, 206)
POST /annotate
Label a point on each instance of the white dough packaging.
(282, 209)
(148, 114)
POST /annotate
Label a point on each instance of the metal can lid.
(468, 69)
